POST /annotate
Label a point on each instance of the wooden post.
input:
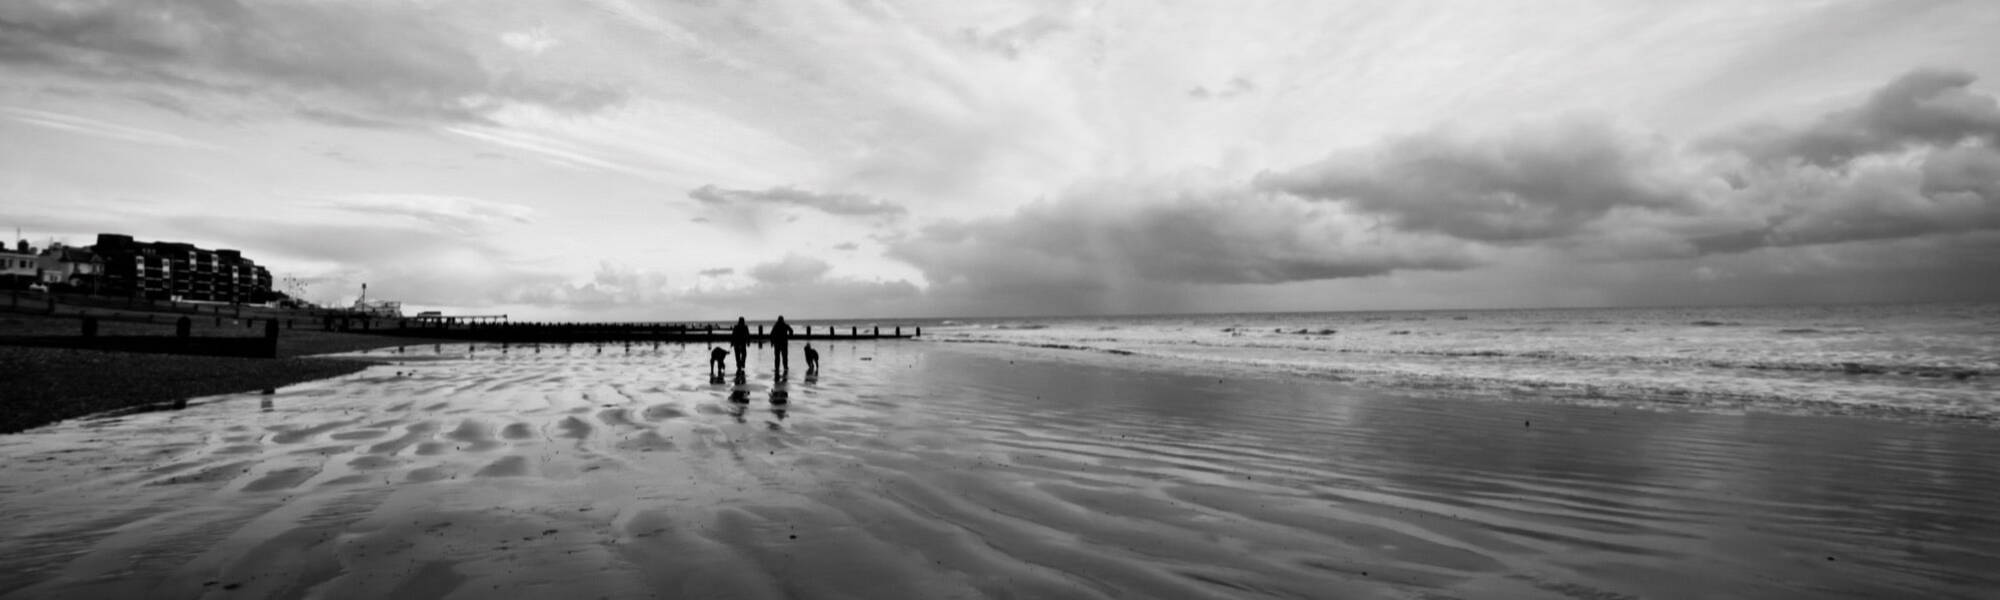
(878, 331)
(809, 331)
(920, 332)
(899, 331)
(853, 332)
(270, 338)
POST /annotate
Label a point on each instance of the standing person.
(780, 334)
(739, 340)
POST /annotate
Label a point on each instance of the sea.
(1930, 361)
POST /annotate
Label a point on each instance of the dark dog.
(717, 362)
(812, 360)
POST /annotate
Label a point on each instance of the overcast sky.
(629, 159)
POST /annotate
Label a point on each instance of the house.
(76, 268)
(19, 267)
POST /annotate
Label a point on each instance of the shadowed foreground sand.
(915, 471)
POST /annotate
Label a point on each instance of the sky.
(703, 159)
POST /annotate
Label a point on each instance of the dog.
(717, 362)
(812, 360)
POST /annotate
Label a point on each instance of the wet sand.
(913, 470)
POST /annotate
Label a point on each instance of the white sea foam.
(1922, 360)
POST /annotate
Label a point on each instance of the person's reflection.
(780, 412)
(736, 412)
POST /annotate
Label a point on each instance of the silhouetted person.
(739, 340)
(780, 335)
(812, 360)
(718, 364)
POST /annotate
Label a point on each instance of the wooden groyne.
(182, 342)
(557, 333)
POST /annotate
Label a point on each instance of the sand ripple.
(930, 472)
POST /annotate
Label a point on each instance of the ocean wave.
(1886, 389)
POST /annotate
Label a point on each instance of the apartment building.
(177, 270)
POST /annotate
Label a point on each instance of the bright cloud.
(645, 159)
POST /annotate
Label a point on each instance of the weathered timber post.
(878, 331)
(919, 333)
(899, 331)
(270, 338)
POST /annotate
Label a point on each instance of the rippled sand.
(911, 470)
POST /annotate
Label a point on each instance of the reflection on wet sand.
(954, 472)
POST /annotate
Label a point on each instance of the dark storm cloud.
(1925, 107)
(377, 64)
(1952, 191)
(1113, 235)
(1917, 158)
(1534, 183)
(837, 204)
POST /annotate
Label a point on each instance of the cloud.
(534, 41)
(1099, 241)
(1950, 191)
(371, 60)
(611, 286)
(717, 272)
(1011, 41)
(846, 246)
(1235, 87)
(101, 129)
(1925, 107)
(456, 213)
(399, 260)
(793, 268)
(1537, 181)
(850, 205)
(820, 298)
(1920, 157)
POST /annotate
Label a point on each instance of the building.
(18, 267)
(179, 271)
(75, 268)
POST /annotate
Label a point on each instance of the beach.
(935, 470)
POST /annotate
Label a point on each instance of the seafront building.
(17, 267)
(178, 271)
